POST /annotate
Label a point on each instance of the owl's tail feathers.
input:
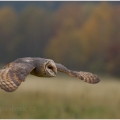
(85, 76)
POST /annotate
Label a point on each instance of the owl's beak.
(54, 70)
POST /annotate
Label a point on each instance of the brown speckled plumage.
(16, 72)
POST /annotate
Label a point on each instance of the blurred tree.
(82, 40)
(8, 27)
(96, 34)
(66, 45)
(69, 14)
(113, 48)
(35, 30)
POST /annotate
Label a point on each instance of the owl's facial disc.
(50, 68)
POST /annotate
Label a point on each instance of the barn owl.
(16, 72)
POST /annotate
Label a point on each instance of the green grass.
(62, 97)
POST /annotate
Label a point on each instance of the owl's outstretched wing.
(13, 74)
(85, 76)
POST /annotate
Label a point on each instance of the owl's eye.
(50, 67)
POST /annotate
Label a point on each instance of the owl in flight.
(16, 72)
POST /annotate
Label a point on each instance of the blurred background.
(82, 36)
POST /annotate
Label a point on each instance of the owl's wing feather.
(85, 76)
(12, 75)
(22, 70)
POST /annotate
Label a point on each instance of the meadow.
(62, 97)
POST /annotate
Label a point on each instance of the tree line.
(83, 37)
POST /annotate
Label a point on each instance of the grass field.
(62, 97)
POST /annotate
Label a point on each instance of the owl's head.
(50, 68)
(45, 68)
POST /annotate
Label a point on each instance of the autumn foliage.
(81, 36)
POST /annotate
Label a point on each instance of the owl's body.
(16, 72)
